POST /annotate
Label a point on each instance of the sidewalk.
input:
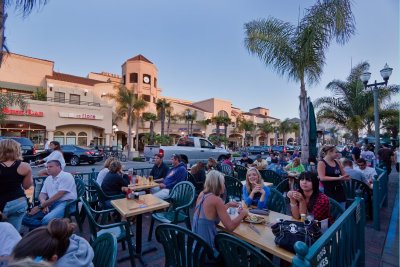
(382, 247)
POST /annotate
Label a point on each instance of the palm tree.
(25, 7)
(226, 121)
(170, 117)
(299, 51)
(162, 105)
(151, 117)
(128, 105)
(218, 121)
(266, 127)
(351, 106)
(285, 127)
(246, 126)
(9, 100)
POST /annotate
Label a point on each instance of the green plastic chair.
(236, 252)
(38, 183)
(105, 250)
(271, 177)
(283, 186)
(103, 197)
(335, 209)
(121, 230)
(354, 188)
(241, 172)
(276, 201)
(182, 247)
(79, 216)
(181, 198)
(233, 188)
(225, 169)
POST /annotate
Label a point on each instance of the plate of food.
(251, 218)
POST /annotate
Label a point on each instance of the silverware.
(252, 227)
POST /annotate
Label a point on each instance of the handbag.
(287, 233)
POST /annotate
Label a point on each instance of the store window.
(223, 113)
(147, 98)
(71, 138)
(82, 139)
(74, 99)
(59, 97)
(59, 137)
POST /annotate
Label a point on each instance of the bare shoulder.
(24, 168)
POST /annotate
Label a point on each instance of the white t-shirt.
(9, 237)
(368, 172)
(64, 181)
(101, 175)
(56, 155)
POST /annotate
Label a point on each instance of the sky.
(198, 45)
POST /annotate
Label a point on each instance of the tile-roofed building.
(140, 58)
(72, 79)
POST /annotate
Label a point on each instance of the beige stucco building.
(75, 110)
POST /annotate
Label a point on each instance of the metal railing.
(380, 193)
(343, 244)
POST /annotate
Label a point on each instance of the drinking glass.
(151, 179)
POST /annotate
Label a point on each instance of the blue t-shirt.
(256, 199)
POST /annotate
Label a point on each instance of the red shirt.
(320, 210)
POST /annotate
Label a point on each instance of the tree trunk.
(137, 132)
(2, 23)
(191, 127)
(304, 124)
(168, 124)
(129, 133)
(226, 130)
(151, 142)
(218, 129)
(162, 120)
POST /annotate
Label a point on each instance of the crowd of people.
(318, 182)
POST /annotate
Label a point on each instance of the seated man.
(368, 172)
(354, 174)
(58, 189)
(160, 169)
(176, 174)
(245, 160)
(260, 163)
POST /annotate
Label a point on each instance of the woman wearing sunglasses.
(309, 200)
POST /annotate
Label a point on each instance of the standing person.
(15, 176)
(255, 193)
(210, 209)
(331, 173)
(102, 174)
(160, 169)
(56, 154)
(368, 172)
(368, 155)
(199, 173)
(356, 152)
(385, 156)
(58, 189)
(397, 156)
(57, 244)
(176, 174)
(354, 173)
(228, 160)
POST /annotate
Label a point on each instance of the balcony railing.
(55, 100)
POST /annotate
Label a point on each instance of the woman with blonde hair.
(255, 193)
(104, 171)
(210, 209)
(15, 176)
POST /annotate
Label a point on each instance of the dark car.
(27, 147)
(258, 149)
(75, 155)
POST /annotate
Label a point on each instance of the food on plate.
(251, 218)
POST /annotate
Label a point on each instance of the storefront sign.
(18, 112)
(84, 116)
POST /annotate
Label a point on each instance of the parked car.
(75, 155)
(258, 149)
(27, 147)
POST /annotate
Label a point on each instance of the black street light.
(385, 73)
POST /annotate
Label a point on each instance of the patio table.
(267, 184)
(265, 239)
(137, 207)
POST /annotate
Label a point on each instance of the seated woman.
(255, 193)
(210, 209)
(115, 183)
(211, 164)
(104, 171)
(295, 166)
(55, 243)
(309, 200)
(198, 172)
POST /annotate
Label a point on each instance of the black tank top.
(10, 183)
(334, 189)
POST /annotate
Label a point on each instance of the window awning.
(18, 86)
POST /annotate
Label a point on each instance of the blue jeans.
(57, 210)
(15, 211)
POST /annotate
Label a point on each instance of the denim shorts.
(15, 211)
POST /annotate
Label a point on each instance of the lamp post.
(188, 118)
(385, 73)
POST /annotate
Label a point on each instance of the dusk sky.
(198, 46)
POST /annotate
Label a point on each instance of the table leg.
(139, 251)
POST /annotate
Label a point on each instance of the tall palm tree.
(350, 105)
(299, 51)
(162, 105)
(9, 100)
(246, 126)
(151, 117)
(218, 121)
(266, 127)
(226, 121)
(24, 6)
(170, 117)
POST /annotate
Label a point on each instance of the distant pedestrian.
(369, 156)
(46, 144)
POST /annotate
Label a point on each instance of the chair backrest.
(236, 252)
(225, 169)
(271, 177)
(276, 201)
(283, 186)
(182, 247)
(102, 197)
(241, 172)
(80, 187)
(182, 195)
(234, 188)
(105, 250)
(335, 209)
(38, 183)
(92, 222)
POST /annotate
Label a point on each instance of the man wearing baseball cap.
(246, 160)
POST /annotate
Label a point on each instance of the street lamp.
(114, 130)
(385, 73)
